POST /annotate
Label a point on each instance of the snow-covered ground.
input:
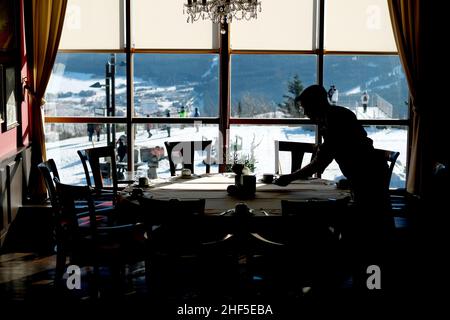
(260, 139)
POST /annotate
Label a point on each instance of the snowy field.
(256, 140)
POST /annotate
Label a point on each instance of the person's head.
(313, 100)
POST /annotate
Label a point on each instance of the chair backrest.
(94, 243)
(186, 151)
(178, 222)
(67, 220)
(99, 169)
(49, 172)
(297, 149)
(391, 158)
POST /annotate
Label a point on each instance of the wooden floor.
(27, 278)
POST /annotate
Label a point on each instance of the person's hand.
(283, 181)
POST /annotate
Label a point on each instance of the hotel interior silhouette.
(141, 143)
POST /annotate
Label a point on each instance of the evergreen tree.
(295, 87)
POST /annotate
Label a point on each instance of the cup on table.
(186, 172)
(143, 182)
(268, 177)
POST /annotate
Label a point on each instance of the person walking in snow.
(365, 101)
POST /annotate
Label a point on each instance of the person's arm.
(302, 173)
(323, 158)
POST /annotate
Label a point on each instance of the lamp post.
(111, 76)
(110, 85)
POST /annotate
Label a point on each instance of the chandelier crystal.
(221, 11)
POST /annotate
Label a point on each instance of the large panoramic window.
(176, 85)
(199, 81)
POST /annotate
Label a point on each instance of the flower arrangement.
(237, 162)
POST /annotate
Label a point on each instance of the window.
(150, 153)
(176, 83)
(160, 24)
(80, 85)
(289, 26)
(264, 86)
(95, 24)
(392, 138)
(256, 144)
(358, 25)
(64, 139)
(180, 75)
(373, 87)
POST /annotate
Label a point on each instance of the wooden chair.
(99, 170)
(313, 233)
(49, 171)
(391, 158)
(186, 151)
(92, 244)
(182, 253)
(297, 149)
(265, 257)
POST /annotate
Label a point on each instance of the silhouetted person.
(148, 127)
(346, 141)
(365, 101)
(98, 130)
(182, 112)
(196, 115)
(121, 151)
(331, 92)
(90, 130)
(168, 126)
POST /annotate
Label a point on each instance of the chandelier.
(221, 11)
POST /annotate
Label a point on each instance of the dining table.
(213, 188)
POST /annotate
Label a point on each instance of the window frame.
(224, 119)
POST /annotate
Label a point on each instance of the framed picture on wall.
(8, 25)
(9, 97)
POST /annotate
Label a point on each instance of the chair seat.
(81, 206)
(100, 220)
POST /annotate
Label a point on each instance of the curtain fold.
(408, 23)
(47, 24)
